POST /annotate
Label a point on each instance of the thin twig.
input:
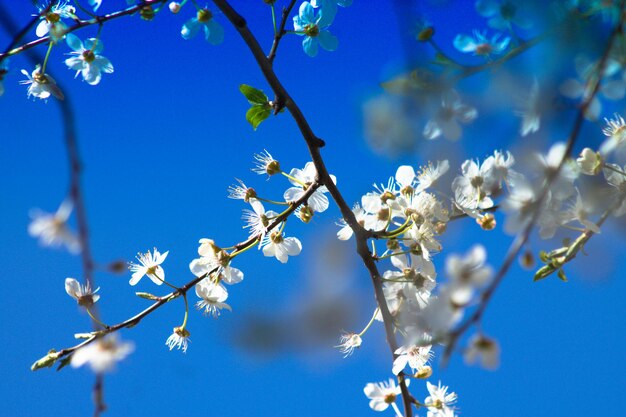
(281, 31)
(18, 37)
(75, 192)
(314, 144)
(98, 20)
(181, 291)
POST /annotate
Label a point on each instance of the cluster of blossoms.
(409, 217)
(213, 267)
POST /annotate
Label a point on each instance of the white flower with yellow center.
(277, 245)
(150, 265)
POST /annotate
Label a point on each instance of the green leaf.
(253, 95)
(147, 296)
(561, 275)
(257, 113)
(543, 272)
(64, 362)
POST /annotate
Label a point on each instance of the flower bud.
(147, 13)
(527, 260)
(392, 244)
(425, 34)
(174, 7)
(305, 214)
(590, 162)
(117, 267)
(424, 373)
(487, 222)
(45, 362)
(440, 227)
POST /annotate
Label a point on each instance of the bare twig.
(314, 144)
(281, 31)
(98, 20)
(17, 37)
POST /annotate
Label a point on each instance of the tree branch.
(281, 31)
(523, 237)
(314, 144)
(160, 301)
(98, 20)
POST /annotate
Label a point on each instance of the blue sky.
(165, 135)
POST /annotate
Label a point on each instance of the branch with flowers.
(408, 214)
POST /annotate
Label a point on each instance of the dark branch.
(314, 145)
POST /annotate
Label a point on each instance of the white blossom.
(179, 339)
(382, 394)
(150, 265)
(484, 350)
(467, 273)
(102, 355)
(302, 179)
(415, 356)
(81, 293)
(52, 229)
(41, 85)
(615, 131)
(445, 123)
(275, 244)
(348, 342)
(439, 401)
(212, 297)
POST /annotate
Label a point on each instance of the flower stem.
(45, 60)
(166, 283)
(294, 179)
(394, 254)
(95, 319)
(245, 248)
(370, 322)
(280, 203)
(274, 19)
(186, 311)
(93, 47)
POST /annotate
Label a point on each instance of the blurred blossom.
(480, 44)
(581, 88)
(484, 350)
(531, 108)
(502, 14)
(388, 128)
(52, 229)
(103, 354)
(446, 121)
